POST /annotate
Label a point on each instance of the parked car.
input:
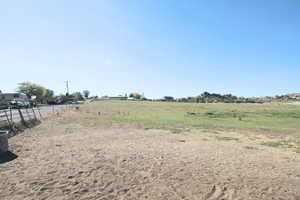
(3, 106)
(19, 104)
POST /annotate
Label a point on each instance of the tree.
(86, 93)
(136, 95)
(31, 89)
(77, 96)
(168, 98)
(47, 96)
(63, 98)
(42, 94)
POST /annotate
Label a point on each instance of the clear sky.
(156, 47)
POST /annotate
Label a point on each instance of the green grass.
(294, 144)
(182, 116)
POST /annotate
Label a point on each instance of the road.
(28, 113)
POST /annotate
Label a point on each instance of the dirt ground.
(57, 162)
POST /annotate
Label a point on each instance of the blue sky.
(155, 47)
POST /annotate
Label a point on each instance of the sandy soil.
(65, 162)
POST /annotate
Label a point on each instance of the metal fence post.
(28, 114)
(11, 119)
(39, 112)
(10, 123)
(34, 114)
(21, 116)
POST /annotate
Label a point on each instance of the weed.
(251, 148)
(176, 130)
(298, 149)
(280, 143)
(226, 138)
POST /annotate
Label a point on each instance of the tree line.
(207, 97)
(46, 96)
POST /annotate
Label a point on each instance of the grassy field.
(179, 117)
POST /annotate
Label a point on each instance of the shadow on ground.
(17, 128)
(7, 157)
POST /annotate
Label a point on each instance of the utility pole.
(67, 85)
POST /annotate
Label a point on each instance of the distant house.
(294, 96)
(132, 99)
(118, 98)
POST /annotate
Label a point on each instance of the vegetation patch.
(280, 143)
(176, 130)
(284, 144)
(290, 114)
(178, 117)
(251, 148)
(179, 130)
(223, 138)
(297, 143)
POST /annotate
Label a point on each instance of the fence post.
(39, 112)
(10, 123)
(6, 115)
(11, 119)
(28, 114)
(34, 114)
(21, 116)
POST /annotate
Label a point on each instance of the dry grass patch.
(295, 144)
(280, 143)
(251, 148)
(224, 138)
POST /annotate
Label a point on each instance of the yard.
(281, 118)
(153, 150)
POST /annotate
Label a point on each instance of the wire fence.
(16, 120)
(13, 119)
